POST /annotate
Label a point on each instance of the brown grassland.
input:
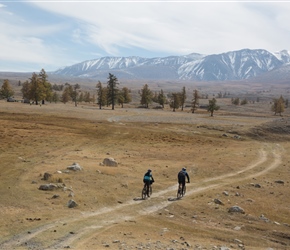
(110, 213)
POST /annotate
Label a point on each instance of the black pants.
(182, 183)
(147, 184)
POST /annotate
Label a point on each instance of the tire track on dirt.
(269, 158)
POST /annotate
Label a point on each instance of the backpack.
(181, 175)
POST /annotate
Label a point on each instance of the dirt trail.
(66, 232)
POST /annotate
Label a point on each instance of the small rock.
(225, 193)
(236, 209)
(262, 217)
(75, 167)
(219, 202)
(71, 204)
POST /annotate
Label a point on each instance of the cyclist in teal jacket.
(148, 180)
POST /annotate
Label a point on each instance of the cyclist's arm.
(188, 180)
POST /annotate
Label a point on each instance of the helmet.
(183, 169)
(149, 170)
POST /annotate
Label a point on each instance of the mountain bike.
(144, 191)
(179, 191)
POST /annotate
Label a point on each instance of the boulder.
(49, 186)
(71, 204)
(110, 162)
(236, 209)
(75, 167)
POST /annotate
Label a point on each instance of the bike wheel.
(184, 190)
(179, 192)
(144, 193)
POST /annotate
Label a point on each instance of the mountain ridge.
(242, 64)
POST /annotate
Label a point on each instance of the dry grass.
(35, 140)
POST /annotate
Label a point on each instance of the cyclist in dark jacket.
(148, 180)
(182, 175)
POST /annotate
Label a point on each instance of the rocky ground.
(233, 161)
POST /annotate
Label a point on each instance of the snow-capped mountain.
(233, 65)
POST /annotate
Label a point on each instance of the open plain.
(240, 157)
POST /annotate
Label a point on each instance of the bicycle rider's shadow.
(174, 199)
(138, 199)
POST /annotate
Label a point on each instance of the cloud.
(74, 31)
(173, 27)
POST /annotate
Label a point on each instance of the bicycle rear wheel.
(179, 190)
(184, 190)
(144, 193)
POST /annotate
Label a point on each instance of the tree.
(175, 101)
(195, 101)
(161, 98)
(81, 97)
(6, 90)
(278, 105)
(244, 101)
(87, 97)
(236, 101)
(75, 93)
(55, 97)
(101, 95)
(93, 99)
(212, 106)
(146, 96)
(65, 97)
(26, 90)
(124, 96)
(38, 88)
(113, 90)
(155, 97)
(182, 98)
(47, 88)
(220, 95)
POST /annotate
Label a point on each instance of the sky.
(50, 34)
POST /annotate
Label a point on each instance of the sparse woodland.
(38, 89)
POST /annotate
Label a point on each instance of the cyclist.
(181, 178)
(148, 180)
